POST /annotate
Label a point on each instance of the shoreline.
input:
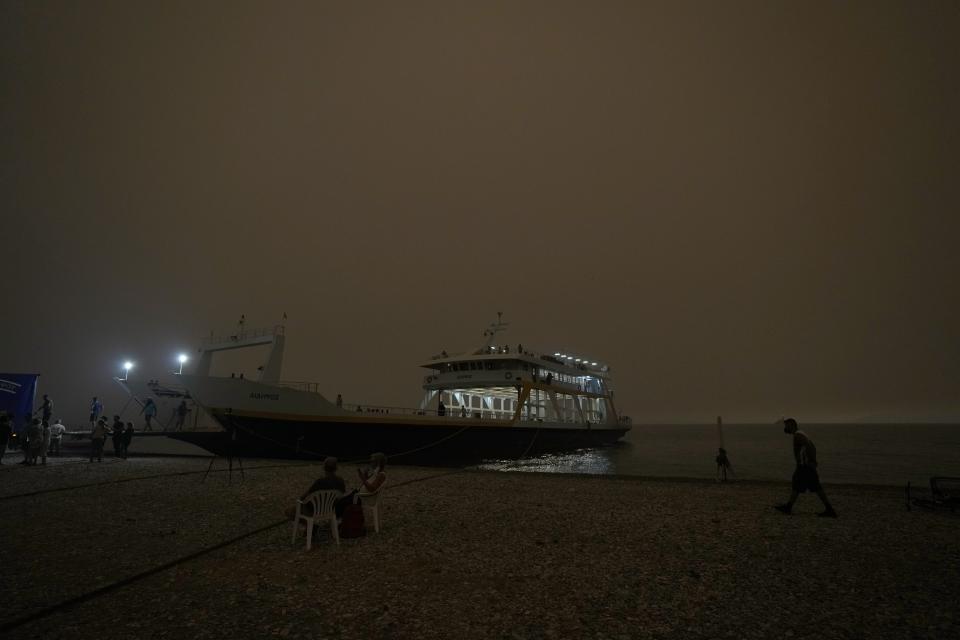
(285, 462)
(467, 553)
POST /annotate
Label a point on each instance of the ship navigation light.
(182, 358)
(126, 369)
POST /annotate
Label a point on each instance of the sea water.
(884, 454)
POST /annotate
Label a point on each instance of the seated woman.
(329, 482)
(372, 479)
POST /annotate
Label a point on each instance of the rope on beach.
(119, 584)
(113, 586)
(294, 448)
(530, 446)
(432, 444)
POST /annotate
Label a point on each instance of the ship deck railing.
(309, 387)
(450, 413)
(505, 350)
(243, 334)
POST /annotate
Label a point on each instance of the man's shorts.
(806, 479)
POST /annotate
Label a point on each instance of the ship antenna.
(493, 330)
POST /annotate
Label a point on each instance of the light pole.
(126, 369)
(182, 358)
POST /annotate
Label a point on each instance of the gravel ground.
(468, 555)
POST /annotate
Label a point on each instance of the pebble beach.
(149, 548)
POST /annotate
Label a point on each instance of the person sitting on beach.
(723, 465)
(329, 482)
(805, 477)
(374, 477)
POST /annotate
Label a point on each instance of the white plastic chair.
(322, 502)
(371, 507)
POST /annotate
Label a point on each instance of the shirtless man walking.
(805, 478)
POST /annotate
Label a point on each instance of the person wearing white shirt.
(56, 435)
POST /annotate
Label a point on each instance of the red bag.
(351, 524)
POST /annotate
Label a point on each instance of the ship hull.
(428, 444)
(268, 421)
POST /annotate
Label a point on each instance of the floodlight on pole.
(126, 369)
(182, 358)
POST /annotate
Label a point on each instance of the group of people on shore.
(120, 434)
(41, 438)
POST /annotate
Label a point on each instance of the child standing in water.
(723, 465)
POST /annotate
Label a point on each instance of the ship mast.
(492, 331)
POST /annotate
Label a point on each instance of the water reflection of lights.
(589, 461)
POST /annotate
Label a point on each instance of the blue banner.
(17, 391)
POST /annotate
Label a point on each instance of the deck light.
(182, 358)
(577, 360)
(126, 369)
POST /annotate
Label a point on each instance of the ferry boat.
(493, 402)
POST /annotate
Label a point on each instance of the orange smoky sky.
(746, 208)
